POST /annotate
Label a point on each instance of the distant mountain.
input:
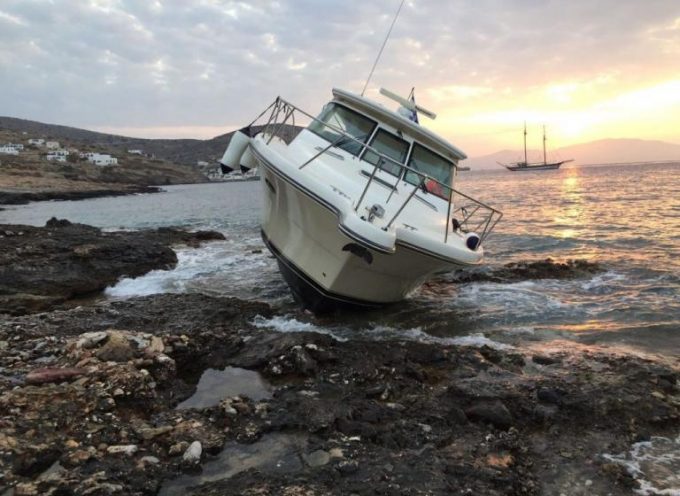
(604, 151)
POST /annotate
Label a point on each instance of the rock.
(544, 360)
(178, 448)
(549, 395)
(151, 432)
(493, 412)
(91, 339)
(304, 363)
(150, 459)
(55, 223)
(47, 266)
(116, 349)
(47, 375)
(347, 467)
(125, 449)
(156, 346)
(317, 458)
(193, 453)
(103, 488)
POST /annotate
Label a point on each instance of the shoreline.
(23, 198)
(90, 393)
(356, 416)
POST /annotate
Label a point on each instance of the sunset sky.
(587, 69)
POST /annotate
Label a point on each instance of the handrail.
(489, 217)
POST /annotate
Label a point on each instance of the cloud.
(172, 65)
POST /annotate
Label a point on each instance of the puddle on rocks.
(274, 453)
(215, 385)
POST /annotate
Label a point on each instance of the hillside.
(605, 151)
(30, 176)
(180, 151)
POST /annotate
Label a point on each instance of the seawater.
(627, 219)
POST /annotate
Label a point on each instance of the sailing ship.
(526, 166)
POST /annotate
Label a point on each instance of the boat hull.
(325, 268)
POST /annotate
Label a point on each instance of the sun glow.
(574, 112)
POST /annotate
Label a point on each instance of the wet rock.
(492, 412)
(193, 453)
(91, 339)
(47, 375)
(50, 265)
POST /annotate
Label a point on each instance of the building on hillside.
(52, 145)
(17, 146)
(58, 156)
(8, 150)
(36, 141)
(136, 151)
(102, 159)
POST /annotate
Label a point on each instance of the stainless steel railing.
(464, 213)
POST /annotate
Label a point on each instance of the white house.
(17, 146)
(52, 145)
(102, 159)
(136, 151)
(8, 150)
(36, 141)
(58, 155)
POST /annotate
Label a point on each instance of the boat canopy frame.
(477, 216)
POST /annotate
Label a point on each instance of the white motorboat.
(359, 206)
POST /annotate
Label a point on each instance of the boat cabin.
(408, 146)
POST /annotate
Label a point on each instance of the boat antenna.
(525, 143)
(377, 59)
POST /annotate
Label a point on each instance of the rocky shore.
(24, 197)
(41, 267)
(90, 395)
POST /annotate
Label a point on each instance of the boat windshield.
(350, 122)
(435, 166)
(390, 145)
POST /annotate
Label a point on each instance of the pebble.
(91, 339)
(193, 452)
(126, 449)
(178, 448)
(150, 459)
(317, 458)
(151, 432)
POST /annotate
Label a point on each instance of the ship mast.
(525, 143)
(545, 160)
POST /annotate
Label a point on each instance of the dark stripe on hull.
(308, 292)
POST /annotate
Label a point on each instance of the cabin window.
(350, 122)
(390, 145)
(433, 165)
